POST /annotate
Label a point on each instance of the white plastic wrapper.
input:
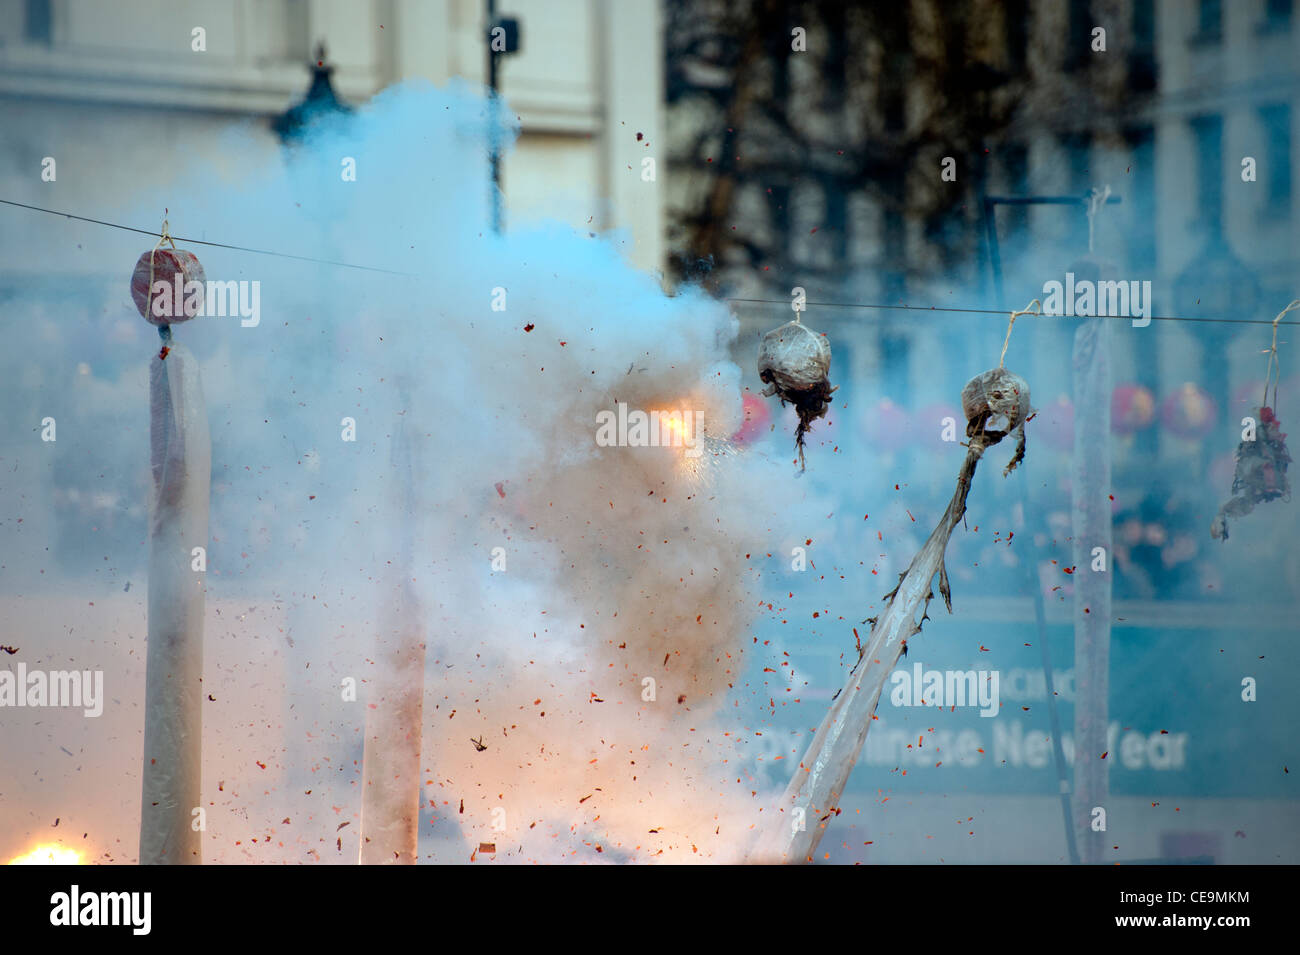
(1003, 394)
(795, 363)
(181, 460)
(794, 358)
(998, 402)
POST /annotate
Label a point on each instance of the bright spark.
(48, 855)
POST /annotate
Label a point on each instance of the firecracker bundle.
(180, 296)
(181, 464)
(996, 404)
(795, 364)
(1260, 475)
(1000, 399)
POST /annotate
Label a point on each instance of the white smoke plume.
(622, 564)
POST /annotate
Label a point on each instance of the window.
(1277, 16)
(1277, 12)
(835, 67)
(1016, 14)
(1208, 134)
(778, 210)
(1015, 174)
(1209, 21)
(1141, 200)
(893, 237)
(1142, 56)
(1079, 40)
(895, 353)
(38, 21)
(1276, 174)
(1078, 157)
(837, 219)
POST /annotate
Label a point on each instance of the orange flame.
(48, 855)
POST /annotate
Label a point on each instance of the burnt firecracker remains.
(795, 364)
(996, 404)
(1260, 475)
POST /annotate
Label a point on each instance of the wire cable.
(746, 301)
(216, 245)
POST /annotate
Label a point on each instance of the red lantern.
(176, 300)
(1132, 408)
(758, 418)
(1056, 424)
(1188, 412)
(887, 426)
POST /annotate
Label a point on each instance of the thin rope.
(1273, 360)
(1033, 308)
(164, 236)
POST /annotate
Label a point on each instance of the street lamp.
(503, 39)
(321, 102)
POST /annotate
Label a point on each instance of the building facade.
(108, 89)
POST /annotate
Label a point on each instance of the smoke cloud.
(595, 656)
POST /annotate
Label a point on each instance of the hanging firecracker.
(758, 419)
(1262, 455)
(1260, 474)
(887, 425)
(180, 459)
(1188, 412)
(1132, 408)
(167, 285)
(795, 364)
(996, 403)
